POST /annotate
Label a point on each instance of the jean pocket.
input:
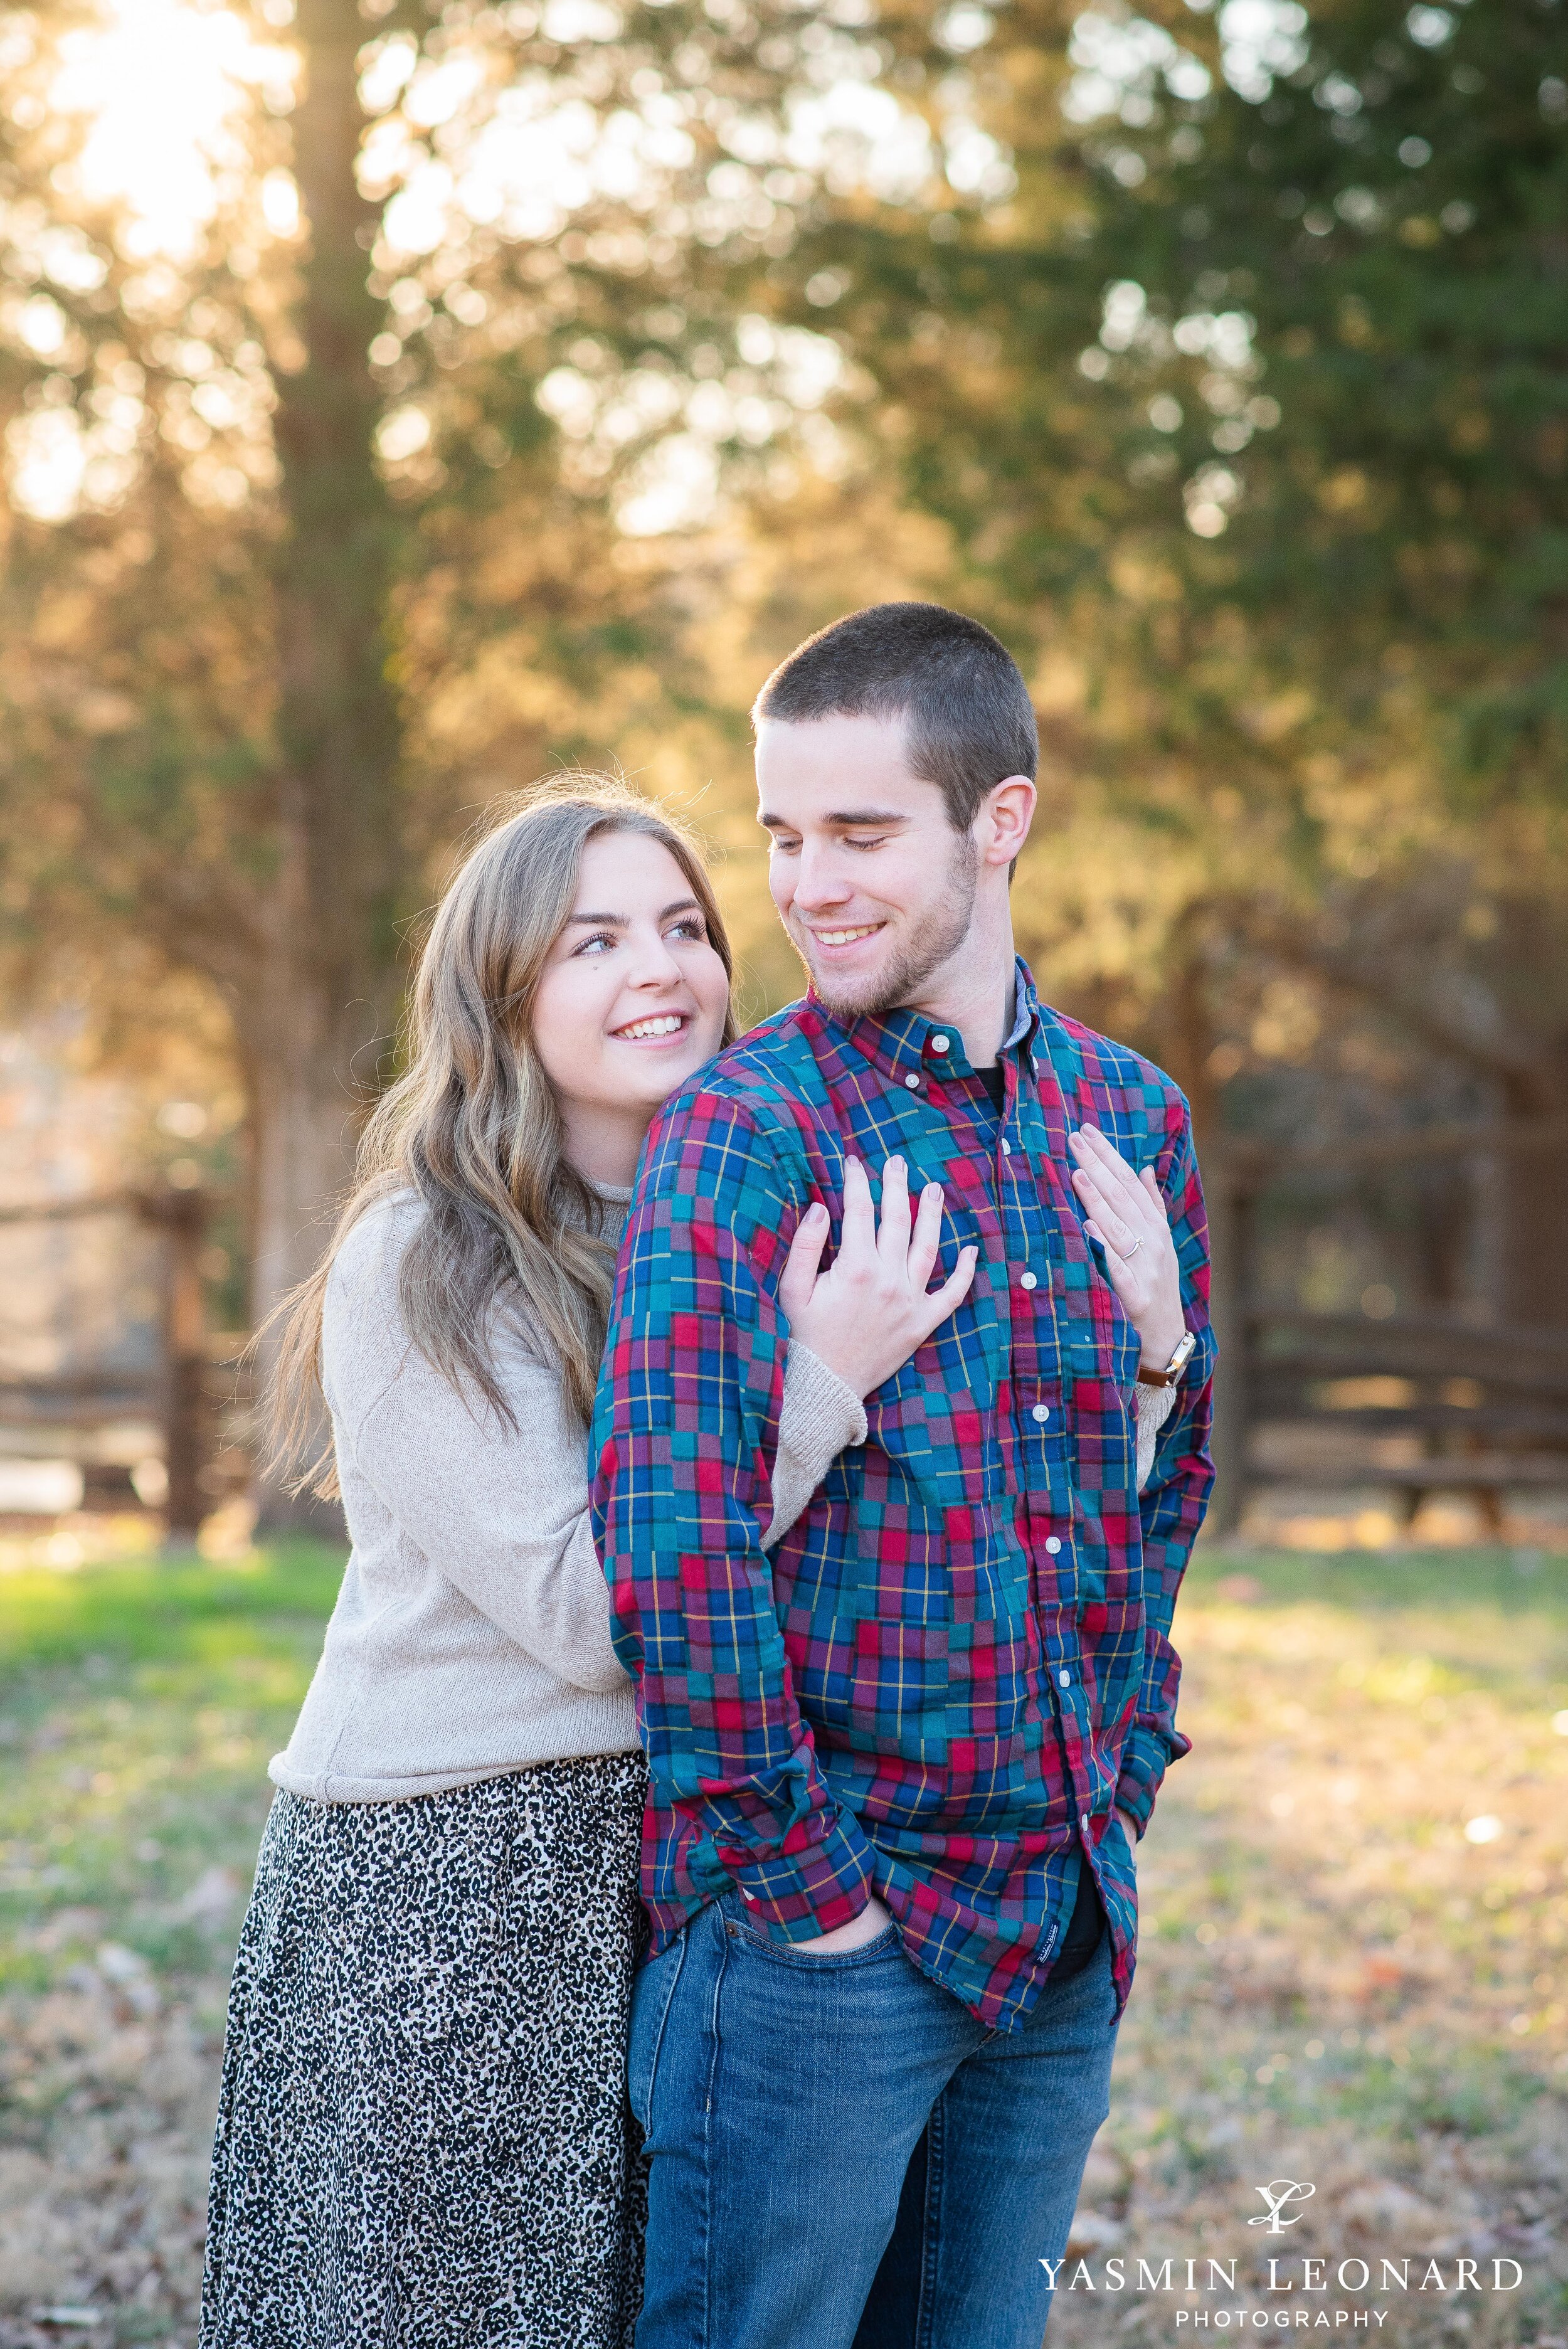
(652, 1992)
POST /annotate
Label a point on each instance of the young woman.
(421, 2135)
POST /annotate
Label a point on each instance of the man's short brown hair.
(969, 723)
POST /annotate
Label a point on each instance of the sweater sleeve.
(820, 1417)
(501, 1512)
(1155, 1405)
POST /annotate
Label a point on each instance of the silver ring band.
(1127, 1254)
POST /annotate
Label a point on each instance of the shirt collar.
(1025, 1011)
(904, 1044)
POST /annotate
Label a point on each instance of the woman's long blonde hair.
(472, 1126)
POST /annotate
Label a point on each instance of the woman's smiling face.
(632, 998)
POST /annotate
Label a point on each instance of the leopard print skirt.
(423, 2139)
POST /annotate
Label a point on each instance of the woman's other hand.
(1126, 1216)
(867, 1313)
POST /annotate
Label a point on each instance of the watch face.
(1182, 1356)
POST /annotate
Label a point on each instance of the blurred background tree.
(1246, 404)
(342, 456)
(399, 403)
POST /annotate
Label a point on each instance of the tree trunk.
(183, 1215)
(312, 1039)
(1532, 1239)
(303, 1126)
(1231, 1218)
(1189, 1026)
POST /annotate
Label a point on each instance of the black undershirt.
(1086, 1922)
(1085, 1927)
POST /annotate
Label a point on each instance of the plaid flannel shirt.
(942, 1683)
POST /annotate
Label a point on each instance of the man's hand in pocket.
(872, 1919)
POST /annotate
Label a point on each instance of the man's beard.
(942, 930)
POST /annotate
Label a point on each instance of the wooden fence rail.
(182, 1395)
(1459, 1404)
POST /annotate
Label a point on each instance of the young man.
(897, 1767)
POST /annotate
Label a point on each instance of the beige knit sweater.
(472, 1634)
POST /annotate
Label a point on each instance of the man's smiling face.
(872, 882)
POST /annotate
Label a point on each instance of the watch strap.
(1186, 1348)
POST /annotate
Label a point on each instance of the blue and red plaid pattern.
(958, 1663)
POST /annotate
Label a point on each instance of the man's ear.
(1002, 826)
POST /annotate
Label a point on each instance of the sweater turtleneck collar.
(614, 1207)
(614, 1195)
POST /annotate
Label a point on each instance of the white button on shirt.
(913, 1083)
(1052, 1544)
(1007, 1147)
(1083, 1821)
(1027, 1280)
(1042, 1412)
(1065, 1679)
(940, 1044)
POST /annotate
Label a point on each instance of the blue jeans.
(842, 2157)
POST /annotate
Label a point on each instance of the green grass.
(139, 1706)
(146, 1701)
(1505, 1582)
(1335, 1983)
(158, 1608)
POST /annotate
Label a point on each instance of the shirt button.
(747, 1895)
(1042, 1412)
(1083, 1821)
(1007, 1147)
(1065, 1679)
(913, 1083)
(1027, 1280)
(1053, 1543)
(940, 1044)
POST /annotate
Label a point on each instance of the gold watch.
(1173, 1367)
